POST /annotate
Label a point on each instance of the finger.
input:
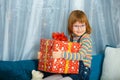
(38, 55)
(88, 55)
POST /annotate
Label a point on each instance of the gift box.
(59, 65)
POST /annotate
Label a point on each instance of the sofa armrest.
(96, 67)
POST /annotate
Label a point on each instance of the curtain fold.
(24, 22)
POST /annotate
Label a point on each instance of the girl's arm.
(85, 51)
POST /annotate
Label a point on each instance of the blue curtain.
(24, 22)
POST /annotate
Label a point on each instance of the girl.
(79, 31)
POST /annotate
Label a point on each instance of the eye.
(76, 26)
(83, 25)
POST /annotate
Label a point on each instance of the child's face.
(79, 28)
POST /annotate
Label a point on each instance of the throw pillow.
(111, 64)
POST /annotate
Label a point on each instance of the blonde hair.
(80, 16)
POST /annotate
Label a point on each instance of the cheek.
(83, 29)
(74, 30)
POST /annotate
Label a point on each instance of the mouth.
(78, 32)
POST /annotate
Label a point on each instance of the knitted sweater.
(84, 53)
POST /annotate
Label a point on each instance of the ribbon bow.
(59, 36)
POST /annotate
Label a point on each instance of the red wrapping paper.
(60, 65)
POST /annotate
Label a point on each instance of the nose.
(79, 27)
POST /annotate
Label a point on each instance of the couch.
(21, 70)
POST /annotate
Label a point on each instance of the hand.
(57, 54)
(39, 55)
(89, 56)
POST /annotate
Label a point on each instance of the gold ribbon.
(45, 59)
(67, 61)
